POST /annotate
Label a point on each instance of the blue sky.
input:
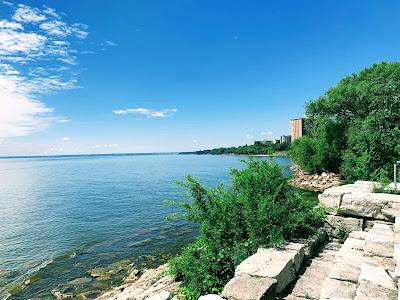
(149, 76)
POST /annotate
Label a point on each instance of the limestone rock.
(152, 283)
(337, 289)
(308, 286)
(210, 297)
(160, 296)
(370, 291)
(377, 275)
(345, 272)
(247, 287)
(379, 245)
(280, 264)
(335, 224)
(360, 235)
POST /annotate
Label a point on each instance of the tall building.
(285, 139)
(298, 128)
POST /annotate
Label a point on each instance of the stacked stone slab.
(342, 281)
(308, 286)
(358, 200)
(269, 271)
(363, 267)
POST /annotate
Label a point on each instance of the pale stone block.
(360, 235)
(379, 245)
(377, 275)
(337, 289)
(210, 297)
(247, 287)
(281, 264)
(165, 295)
(345, 272)
(370, 291)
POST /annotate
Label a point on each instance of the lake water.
(63, 216)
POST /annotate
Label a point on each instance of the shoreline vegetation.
(264, 148)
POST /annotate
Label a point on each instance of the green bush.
(304, 151)
(258, 210)
(356, 125)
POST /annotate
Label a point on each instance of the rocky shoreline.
(152, 284)
(314, 182)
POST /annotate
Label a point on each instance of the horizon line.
(90, 154)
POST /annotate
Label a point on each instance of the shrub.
(258, 210)
(304, 151)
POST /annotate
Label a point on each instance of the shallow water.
(63, 216)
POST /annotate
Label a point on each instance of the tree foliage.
(257, 148)
(356, 125)
(259, 209)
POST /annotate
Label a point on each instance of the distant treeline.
(257, 148)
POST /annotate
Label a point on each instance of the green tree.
(357, 124)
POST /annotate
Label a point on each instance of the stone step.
(341, 282)
(364, 267)
(375, 281)
(308, 286)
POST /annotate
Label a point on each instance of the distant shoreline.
(275, 154)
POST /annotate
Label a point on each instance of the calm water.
(60, 217)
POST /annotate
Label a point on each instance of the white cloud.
(61, 29)
(151, 113)
(65, 139)
(270, 132)
(4, 24)
(27, 14)
(20, 114)
(110, 43)
(106, 146)
(249, 137)
(36, 58)
(62, 121)
(51, 12)
(16, 42)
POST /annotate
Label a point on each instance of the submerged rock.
(152, 284)
(80, 281)
(60, 295)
